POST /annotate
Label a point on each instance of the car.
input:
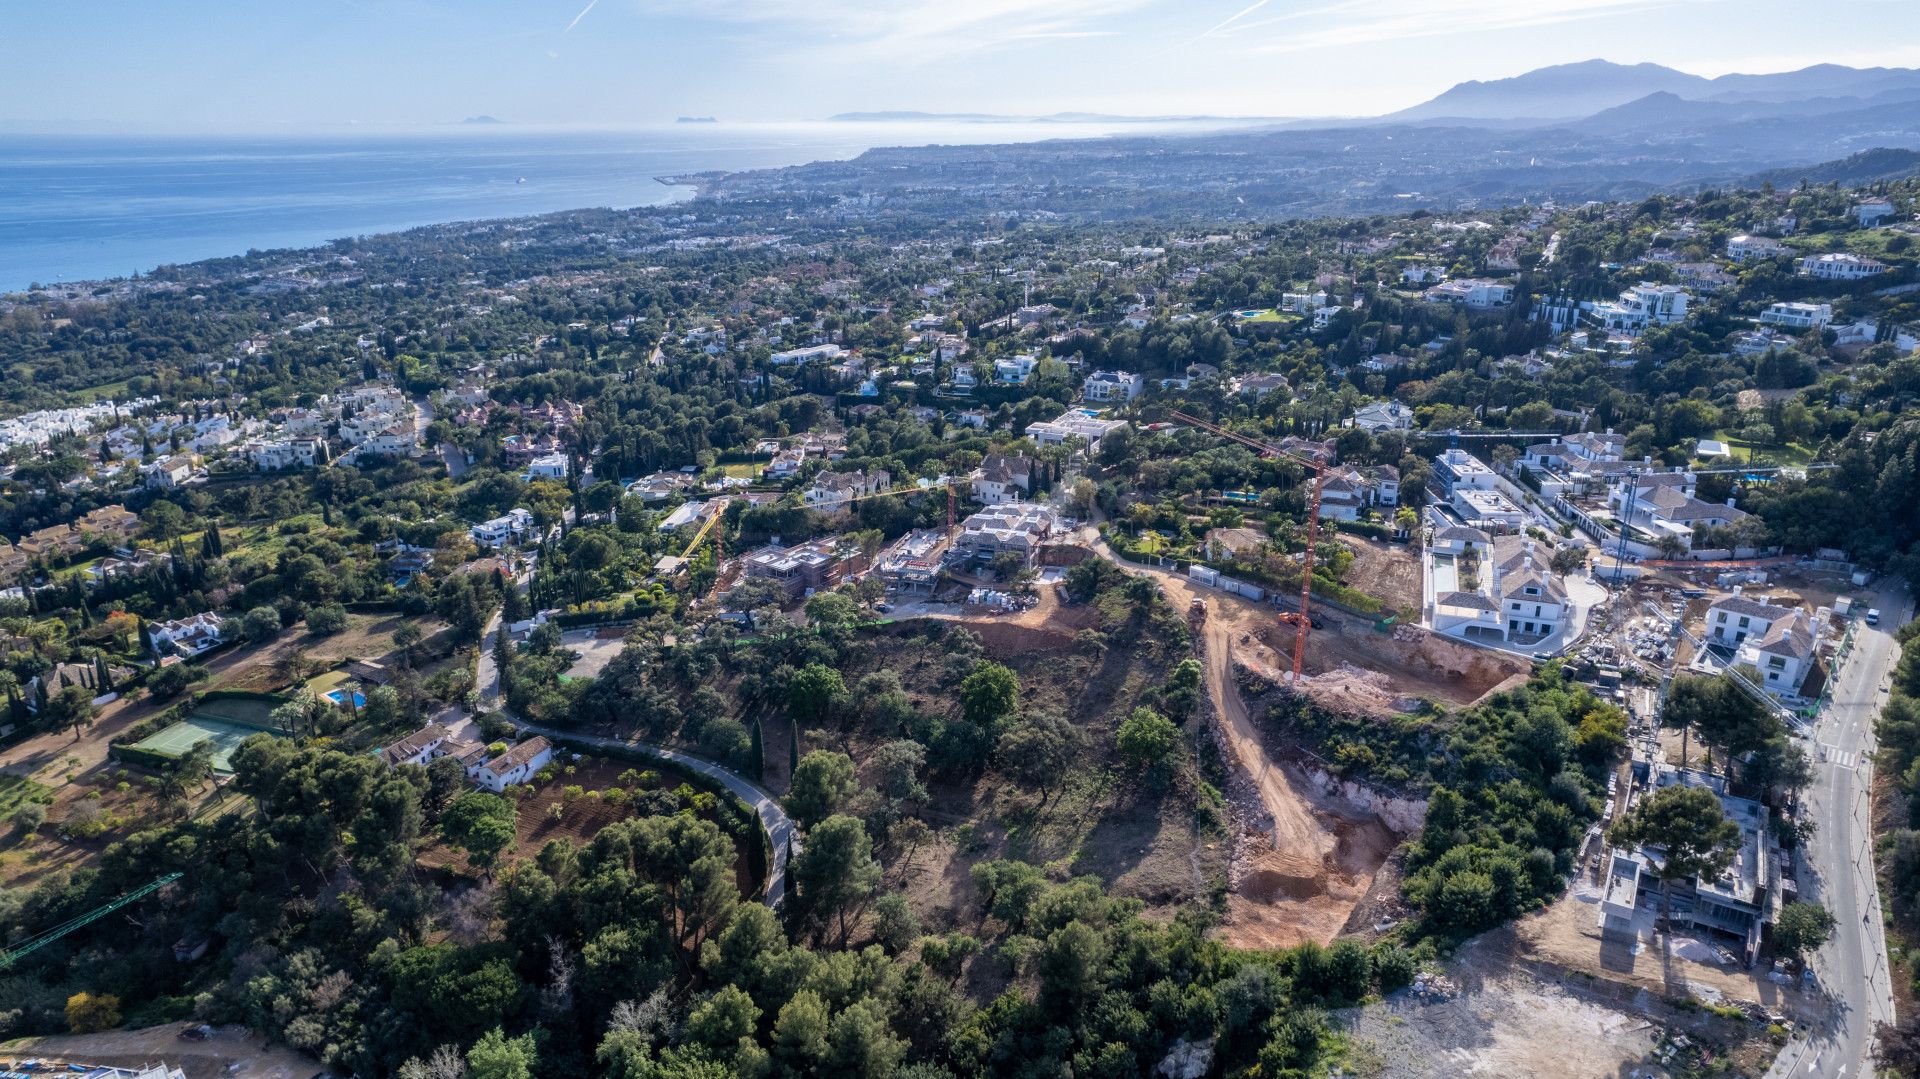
(883, 608)
(1873, 616)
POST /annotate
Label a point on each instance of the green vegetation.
(1014, 843)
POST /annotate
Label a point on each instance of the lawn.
(1271, 317)
(1785, 454)
(16, 791)
(1869, 242)
(745, 470)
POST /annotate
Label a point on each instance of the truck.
(1197, 612)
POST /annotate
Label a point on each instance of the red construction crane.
(1302, 621)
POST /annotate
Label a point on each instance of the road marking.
(1838, 757)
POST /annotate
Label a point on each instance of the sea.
(88, 207)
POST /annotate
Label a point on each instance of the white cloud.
(910, 28)
(1364, 22)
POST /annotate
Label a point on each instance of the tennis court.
(179, 739)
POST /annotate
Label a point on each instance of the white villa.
(1002, 478)
(1741, 248)
(1108, 387)
(508, 528)
(1483, 590)
(1779, 642)
(1840, 267)
(1072, 424)
(188, 636)
(1797, 316)
(1475, 292)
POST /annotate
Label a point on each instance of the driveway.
(780, 830)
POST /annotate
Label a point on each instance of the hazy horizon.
(334, 66)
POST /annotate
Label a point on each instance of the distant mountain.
(482, 120)
(1570, 91)
(695, 120)
(1671, 115)
(911, 117)
(1558, 92)
(1865, 167)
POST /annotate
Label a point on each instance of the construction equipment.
(1455, 434)
(1302, 620)
(828, 505)
(1197, 613)
(668, 565)
(34, 944)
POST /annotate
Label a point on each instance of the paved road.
(1852, 968)
(780, 829)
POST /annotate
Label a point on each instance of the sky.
(294, 65)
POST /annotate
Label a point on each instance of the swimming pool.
(339, 696)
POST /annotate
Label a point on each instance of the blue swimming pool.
(339, 696)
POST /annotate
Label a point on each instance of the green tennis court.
(243, 710)
(179, 739)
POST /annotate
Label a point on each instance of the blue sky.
(244, 65)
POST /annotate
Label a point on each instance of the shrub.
(89, 1013)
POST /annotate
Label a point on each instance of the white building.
(1483, 590)
(549, 466)
(1382, 416)
(516, 765)
(1841, 266)
(272, 455)
(1742, 248)
(188, 636)
(1785, 654)
(1072, 424)
(1020, 527)
(809, 354)
(1014, 370)
(1107, 387)
(834, 487)
(1002, 478)
(507, 529)
(1479, 293)
(1645, 304)
(417, 748)
(1737, 617)
(1798, 316)
(1872, 212)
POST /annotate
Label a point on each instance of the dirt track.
(1304, 867)
(231, 1052)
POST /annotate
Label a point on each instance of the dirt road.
(232, 1051)
(1301, 871)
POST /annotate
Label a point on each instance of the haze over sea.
(82, 207)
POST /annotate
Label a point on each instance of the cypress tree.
(793, 747)
(759, 752)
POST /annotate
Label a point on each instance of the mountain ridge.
(1562, 92)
